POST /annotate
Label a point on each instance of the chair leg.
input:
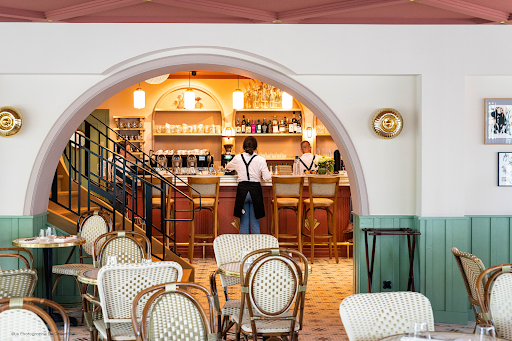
(276, 222)
(312, 230)
(329, 218)
(334, 234)
(191, 240)
(298, 214)
(55, 284)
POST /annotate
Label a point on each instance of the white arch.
(36, 200)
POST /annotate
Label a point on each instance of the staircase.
(80, 186)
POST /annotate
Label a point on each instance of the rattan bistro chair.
(494, 298)
(287, 195)
(230, 248)
(117, 287)
(323, 195)
(173, 314)
(470, 268)
(18, 282)
(91, 225)
(22, 319)
(208, 187)
(370, 317)
(273, 294)
(128, 246)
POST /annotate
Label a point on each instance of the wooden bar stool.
(287, 194)
(208, 187)
(156, 202)
(323, 195)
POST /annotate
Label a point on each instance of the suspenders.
(311, 165)
(247, 165)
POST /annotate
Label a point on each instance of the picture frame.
(498, 121)
(505, 169)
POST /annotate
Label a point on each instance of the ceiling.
(428, 12)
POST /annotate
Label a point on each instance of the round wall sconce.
(10, 121)
(387, 123)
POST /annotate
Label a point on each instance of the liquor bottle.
(294, 121)
(264, 127)
(258, 128)
(275, 126)
(238, 126)
(299, 125)
(290, 125)
(282, 127)
(253, 127)
(248, 127)
(243, 125)
(270, 129)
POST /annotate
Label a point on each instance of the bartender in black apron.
(307, 160)
(251, 169)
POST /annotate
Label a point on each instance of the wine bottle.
(238, 128)
(253, 127)
(258, 128)
(264, 127)
(275, 126)
(299, 125)
(243, 125)
(290, 125)
(294, 121)
(282, 126)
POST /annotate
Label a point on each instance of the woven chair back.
(119, 284)
(323, 186)
(17, 283)
(128, 246)
(22, 320)
(156, 193)
(174, 314)
(93, 225)
(288, 186)
(370, 317)
(206, 186)
(29, 262)
(230, 248)
(470, 268)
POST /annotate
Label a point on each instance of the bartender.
(307, 160)
(251, 169)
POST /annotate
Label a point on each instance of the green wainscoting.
(13, 227)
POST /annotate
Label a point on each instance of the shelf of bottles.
(273, 127)
(130, 128)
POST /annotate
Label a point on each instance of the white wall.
(54, 64)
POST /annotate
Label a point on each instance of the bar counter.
(227, 194)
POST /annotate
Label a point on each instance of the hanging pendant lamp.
(139, 98)
(238, 97)
(189, 97)
(287, 101)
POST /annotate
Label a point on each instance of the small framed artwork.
(498, 121)
(504, 169)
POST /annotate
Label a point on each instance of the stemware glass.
(419, 329)
(111, 260)
(51, 233)
(42, 235)
(485, 332)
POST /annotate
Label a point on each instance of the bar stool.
(156, 202)
(208, 188)
(323, 190)
(287, 194)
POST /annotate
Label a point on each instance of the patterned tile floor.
(328, 285)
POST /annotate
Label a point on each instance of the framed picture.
(504, 169)
(498, 121)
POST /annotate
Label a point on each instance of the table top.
(37, 244)
(435, 336)
(89, 276)
(233, 269)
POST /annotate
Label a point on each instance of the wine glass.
(51, 233)
(419, 329)
(485, 332)
(111, 260)
(42, 235)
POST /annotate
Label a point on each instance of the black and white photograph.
(498, 121)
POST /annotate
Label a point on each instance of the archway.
(36, 200)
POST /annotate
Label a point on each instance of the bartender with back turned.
(307, 160)
(251, 169)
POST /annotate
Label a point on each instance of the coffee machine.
(227, 156)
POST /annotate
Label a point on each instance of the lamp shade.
(139, 99)
(287, 101)
(190, 99)
(238, 99)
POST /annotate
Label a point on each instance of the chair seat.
(267, 326)
(231, 307)
(157, 202)
(118, 330)
(205, 202)
(70, 269)
(319, 202)
(282, 202)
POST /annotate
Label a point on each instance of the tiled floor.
(328, 285)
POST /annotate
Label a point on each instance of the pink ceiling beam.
(221, 8)
(157, 19)
(9, 12)
(88, 8)
(335, 8)
(467, 8)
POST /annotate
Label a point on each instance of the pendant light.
(139, 98)
(190, 96)
(287, 101)
(238, 97)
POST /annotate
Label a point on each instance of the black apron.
(252, 187)
(311, 165)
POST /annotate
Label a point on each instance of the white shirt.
(307, 158)
(257, 168)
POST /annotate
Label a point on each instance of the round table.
(435, 336)
(89, 276)
(233, 269)
(36, 243)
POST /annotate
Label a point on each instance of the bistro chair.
(323, 195)
(495, 299)
(231, 248)
(22, 315)
(374, 316)
(128, 246)
(470, 268)
(91, 225)
(18, 282)
(117, 287)
(173, 314)
(273, 294)
(204, 192)
(156, 201)
(287, 195)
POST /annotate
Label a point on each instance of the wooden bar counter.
(228, 187)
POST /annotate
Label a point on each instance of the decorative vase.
(322, 170)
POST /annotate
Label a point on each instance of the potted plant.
(325, 164)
